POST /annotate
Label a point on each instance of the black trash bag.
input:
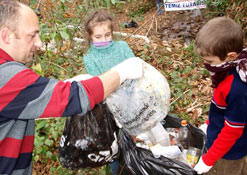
(198, 136)
(90, 140)
(141, 161)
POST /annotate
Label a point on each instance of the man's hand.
(201, 167)
(129, 69)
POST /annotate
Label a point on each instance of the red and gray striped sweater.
(26, 96)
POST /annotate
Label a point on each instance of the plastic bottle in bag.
(158, 135)
(184, 135)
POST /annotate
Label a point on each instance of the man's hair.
(218, 37)
(9, 14)
(97, 17)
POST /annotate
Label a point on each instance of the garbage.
(171, 152)
(139, 105)
(184, 135)
(140, 160)
(90, 140)
(193, 155)
(158, 135)
(131, 24)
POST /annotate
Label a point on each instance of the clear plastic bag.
(90, 140)
(138, 105)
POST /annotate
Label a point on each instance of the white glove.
(204, 127)
(129, 69)
(79, 78)
(201, 167)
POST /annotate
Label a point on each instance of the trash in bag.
(141, 161)
(90, 140)
(138, 105)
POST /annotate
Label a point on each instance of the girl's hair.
(97, 17)
(218, 37)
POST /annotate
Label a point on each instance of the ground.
(170, 34)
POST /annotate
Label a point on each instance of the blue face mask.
(102, 44)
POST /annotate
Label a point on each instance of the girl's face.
(101, 32)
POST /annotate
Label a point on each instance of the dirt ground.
(162, 30)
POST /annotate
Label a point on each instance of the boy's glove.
(129, 69)
(79, 78)
(201, 167)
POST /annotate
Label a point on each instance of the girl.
(103, 52)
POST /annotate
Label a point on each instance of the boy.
(220, 44)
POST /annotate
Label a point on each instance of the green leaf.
(38, 69)
(64, 34)
(40, 124)
(48, 154)
(48, 142)
(39, 150)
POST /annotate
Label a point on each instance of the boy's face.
(215, 60)
(212, 60)
(101, 33)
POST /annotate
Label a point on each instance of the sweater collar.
(101, 48)
(5, 57)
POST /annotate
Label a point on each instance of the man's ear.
(6, 35)
(231, 56)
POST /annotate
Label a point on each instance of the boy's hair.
(97, 17)
(218, 37)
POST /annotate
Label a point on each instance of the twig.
(193, 107)
(180, 96)
(156, 25)
(56, 65)
(143, 24)
(38, 4)
(137, 29)
(150, 26)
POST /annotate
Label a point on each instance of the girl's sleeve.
(26, 95)
(127, 51)
(90, 66)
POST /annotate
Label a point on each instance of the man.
(25, 96)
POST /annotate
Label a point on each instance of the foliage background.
(61, 58)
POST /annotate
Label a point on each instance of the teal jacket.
(100, 59)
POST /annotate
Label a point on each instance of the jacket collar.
(4, 57)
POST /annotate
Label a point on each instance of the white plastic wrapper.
(138, 105)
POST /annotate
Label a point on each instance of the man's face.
(26, 39)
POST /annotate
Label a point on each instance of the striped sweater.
(25, 96)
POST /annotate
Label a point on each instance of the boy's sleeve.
(90, 66)
(224, 142)
(26, 95)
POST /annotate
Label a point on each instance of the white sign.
(173, 5)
